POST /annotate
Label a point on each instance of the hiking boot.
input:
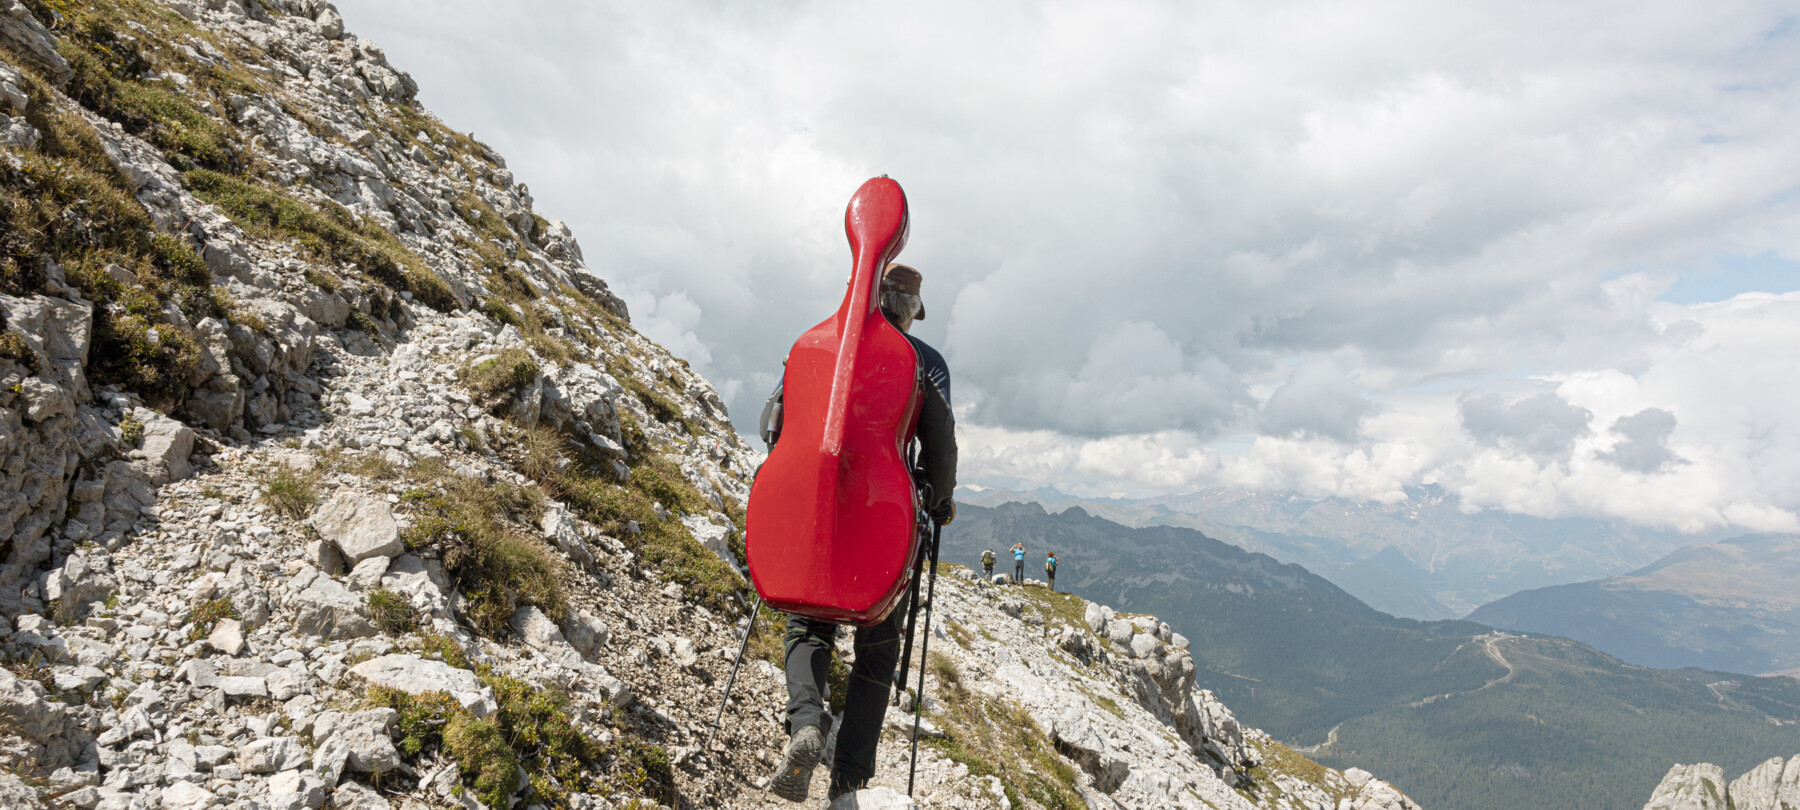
(797, 763)
(841, 786)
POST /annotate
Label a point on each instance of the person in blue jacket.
(1018, 551)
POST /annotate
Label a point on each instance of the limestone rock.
(361, 526)
(357, 796)
(326, 609)
(227, 637)
(17, 795)
(1690, 787)
(586, 633)
(363, 741)
(166, 446)
(57, 738)
(1773, 785)
(296, 790)
(413, 675)
(880, 798)
(24, 35)
(186, 796)
(271, 754)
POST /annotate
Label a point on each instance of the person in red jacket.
(809, 642)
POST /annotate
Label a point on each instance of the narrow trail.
(1491, 646)
(1331, 738)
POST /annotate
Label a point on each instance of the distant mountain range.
(1421, 558)
(1465, 717)
(1732, 605)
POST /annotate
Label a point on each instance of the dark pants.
(1019, 572)
(808, 644)
(1052, 577)
(988, 571)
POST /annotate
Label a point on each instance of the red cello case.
(831, 529)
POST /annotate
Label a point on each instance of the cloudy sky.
(1545, 254)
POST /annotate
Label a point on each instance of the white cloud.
(1150, 230)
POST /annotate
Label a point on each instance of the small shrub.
(206, 615)
(422, 717)
(13, 347)
(291, 494)
(486, 761)
(132, 431)
(391, 612)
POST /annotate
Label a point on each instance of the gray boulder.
(58, 331)
(166, 446)
(326, 609)
(586, 633)
(56, 739)
(296, 790)
(361, 526)
(414, 675)
(271, 754)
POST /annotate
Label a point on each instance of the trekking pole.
(912, 615)
(749, 627)
(924, 650)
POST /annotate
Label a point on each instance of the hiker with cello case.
(844, 516)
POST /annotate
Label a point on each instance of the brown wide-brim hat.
(902, 278)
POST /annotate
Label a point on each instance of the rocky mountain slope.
(1773, 785)
(1732, 605)
(1460, 714)
(331, 475)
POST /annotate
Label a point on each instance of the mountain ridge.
(1463, 715)
(1732, 605)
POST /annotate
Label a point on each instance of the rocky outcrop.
(1773, 785)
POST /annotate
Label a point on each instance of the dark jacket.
(936, 434)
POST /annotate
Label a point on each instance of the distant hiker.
(809, 642)
(1050, 569)
(987, 564)
(1018, 551)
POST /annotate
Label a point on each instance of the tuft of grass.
(493, 380)
(291, 494)
(947, 676)
(206, 615)
(998, 738)
(444, 648)
(392, 613)
(475, 528)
